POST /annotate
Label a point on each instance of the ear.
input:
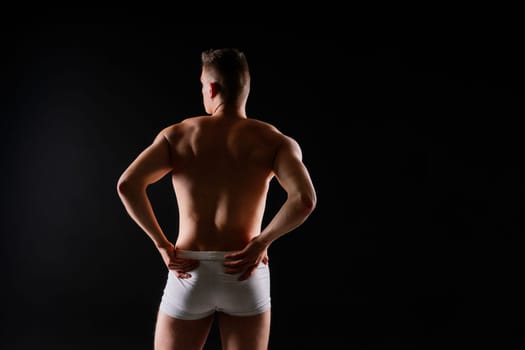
(214, 89)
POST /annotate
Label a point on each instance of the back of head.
(229, 68)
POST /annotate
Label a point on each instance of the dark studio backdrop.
(414, 143)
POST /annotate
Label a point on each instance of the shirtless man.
(221, 165)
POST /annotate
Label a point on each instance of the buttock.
(210, 289)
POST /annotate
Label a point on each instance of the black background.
(412, 134)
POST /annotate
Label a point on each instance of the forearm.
(138, 206)
(291, 215)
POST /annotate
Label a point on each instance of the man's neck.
(229, 110)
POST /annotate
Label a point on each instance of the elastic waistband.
(201, 254)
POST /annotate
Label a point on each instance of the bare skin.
(221, 165)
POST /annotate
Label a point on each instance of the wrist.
(262, 241)
(164, 244)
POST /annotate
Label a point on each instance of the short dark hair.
(229, 67)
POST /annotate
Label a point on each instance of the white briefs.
(210, 289)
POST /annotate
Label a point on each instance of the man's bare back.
(222, 167)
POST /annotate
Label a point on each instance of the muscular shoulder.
(282, 145)
(177, 130)
(264, 129)
(281, 138)
(254, 130)
(261, 125)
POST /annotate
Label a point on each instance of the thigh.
(172, 333)
(245, 332)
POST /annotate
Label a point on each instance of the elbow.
(311, 203)
(122, 186)
(125, 186)
(308, 202)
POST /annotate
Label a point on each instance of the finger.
(246, 274)
(189, 265)
(232, 270)
(183, 259)
(234, 263)
(180, 274)
(234, 255)
(185, 262)
(184, 265)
